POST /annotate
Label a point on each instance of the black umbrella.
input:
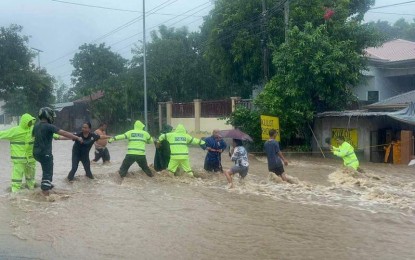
(235, 134)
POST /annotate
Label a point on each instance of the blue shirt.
(272, 148)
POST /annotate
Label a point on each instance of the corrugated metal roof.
(401, 100)
(59, 106)
(350, 113)
(395, 50)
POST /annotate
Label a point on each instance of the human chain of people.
(31, 142)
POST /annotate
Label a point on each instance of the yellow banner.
(268, 123)
(350, 136)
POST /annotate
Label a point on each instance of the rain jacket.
(346, 152)
(21, 140)
(137, 139)
(179, 141)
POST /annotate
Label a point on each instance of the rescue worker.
(43, 132)
(162, 155)
(215, 145)
(179, 156)
(21, 151)
(346, 152)
(137, 139)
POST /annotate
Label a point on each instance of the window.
(372, 96)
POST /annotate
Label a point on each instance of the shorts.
(278, 170)
(242, 170)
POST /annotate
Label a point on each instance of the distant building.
(371, 130)
(391, 71)
(71, 115)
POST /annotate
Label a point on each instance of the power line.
(96, 6)
(390, 13)
(384, 6)
(131, 36)
(129, 23)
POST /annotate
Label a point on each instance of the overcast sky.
(58, 28)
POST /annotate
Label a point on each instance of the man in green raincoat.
(21, 151)
(179, 151)
(346, 152)
(137, 140)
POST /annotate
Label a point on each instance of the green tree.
(400, 29)
(315, 73)
(175, 70)
(234, 36)
(23, 87)
(94, 64)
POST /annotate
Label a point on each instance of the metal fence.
(217, 108)
(247, 103)
(183, 110)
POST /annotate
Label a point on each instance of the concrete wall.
(206, 124)
(388, 85)
(189, 123)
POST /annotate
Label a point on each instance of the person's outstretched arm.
(69, 135)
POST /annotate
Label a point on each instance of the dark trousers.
(80, 157)
(132, 158)
(46, 161)
(213, 164)
(102, 153)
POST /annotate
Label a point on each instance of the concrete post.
(169, 111)
(160, 116)
(234, 99)
(198, 112)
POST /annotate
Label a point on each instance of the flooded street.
(328, 215)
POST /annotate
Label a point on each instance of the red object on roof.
(94, 96)
(395, 50)
(329, 13)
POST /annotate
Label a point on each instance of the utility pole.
(38, 56)
(145, 65)
(265, 64)
(286, 18)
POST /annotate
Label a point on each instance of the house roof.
(350, 113)
(94, 96)
(395, 50)
(59, 106)
(398, 101)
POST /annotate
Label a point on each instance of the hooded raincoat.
(346, 152)
(21, 151)
(137, 140)
(179, 151)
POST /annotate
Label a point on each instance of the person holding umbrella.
(239, 155)
(215, 145)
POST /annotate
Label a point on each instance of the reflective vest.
(346, 152)
(21, 140)
(179, 141)
(137, 139)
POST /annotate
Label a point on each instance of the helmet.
(47, 113)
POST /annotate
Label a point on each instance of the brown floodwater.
(328, 215)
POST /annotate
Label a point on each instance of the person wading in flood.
(21, 152)
(101, 150)
(137, 140)
(80, 150)
(179, 140)
(42, 149)
(215, 146)
(275, 158)
(346, 152)
(239, 155)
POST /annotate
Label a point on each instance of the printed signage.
(268, 123)
(350, 136)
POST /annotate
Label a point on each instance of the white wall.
(376, 79)
(188, 123)
(207, 125)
